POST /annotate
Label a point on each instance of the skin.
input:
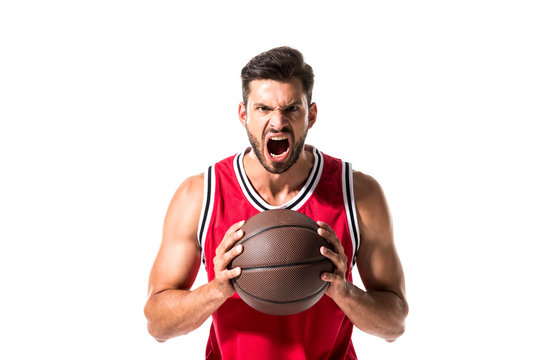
(276, 108)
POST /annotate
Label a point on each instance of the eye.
(292, 108)
(263, 108)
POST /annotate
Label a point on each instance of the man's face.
(277, 119)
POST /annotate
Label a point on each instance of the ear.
(242, 114)
(313, 112)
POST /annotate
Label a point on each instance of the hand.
(338, 283)
(224, 255)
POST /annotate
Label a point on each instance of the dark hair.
(280, 64)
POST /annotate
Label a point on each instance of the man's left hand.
(337, 279)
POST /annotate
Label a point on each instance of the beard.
(277, 168)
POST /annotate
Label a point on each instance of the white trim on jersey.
(294, 204)
(207, 208)
(350, 206)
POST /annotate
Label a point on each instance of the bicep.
(380, 268)
(377, 258)
(178, 260)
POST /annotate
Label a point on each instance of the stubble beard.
(277, 168)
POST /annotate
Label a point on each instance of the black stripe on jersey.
(315, 176)
(351, 205)
(244, 181)
(206, 208)
(311, 184)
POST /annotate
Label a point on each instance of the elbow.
(162, 334)
(157, 332)
(395, 334)
(398, 327)
(160, 330)
(154, 330)
(158, 335)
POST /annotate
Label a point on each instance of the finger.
(330, 254)
(232, 273)
(327, 233)
(233, 234)
(329, 277)
(325, 226)
(338, 260)
(232, 253)
(227, 274)
(228, 242)
(222, 261)
(234, 228)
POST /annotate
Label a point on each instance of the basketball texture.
(281, 263)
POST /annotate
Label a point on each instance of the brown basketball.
(281, 263)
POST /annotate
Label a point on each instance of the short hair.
(281, 64)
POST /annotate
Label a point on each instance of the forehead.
(274, 92)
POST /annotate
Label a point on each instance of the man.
(207, 212)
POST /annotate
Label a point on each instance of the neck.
(277, 189)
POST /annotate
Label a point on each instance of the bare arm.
(382, 308)
(173, 309)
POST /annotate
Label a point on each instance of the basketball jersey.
(240, 332)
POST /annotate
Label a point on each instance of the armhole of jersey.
(207, 208)
(350, 206)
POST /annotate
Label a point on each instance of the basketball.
(281, 263)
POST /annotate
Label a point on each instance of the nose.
(277, 120)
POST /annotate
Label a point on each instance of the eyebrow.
(295, 103)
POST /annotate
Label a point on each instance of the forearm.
(380, 313)
(175, 312)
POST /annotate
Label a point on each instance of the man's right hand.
(224, 254)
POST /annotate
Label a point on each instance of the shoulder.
(365, 186)
(186, 204)
(190, 189)
(370, 200)
(189, 196)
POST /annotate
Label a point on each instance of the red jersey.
(240, 332)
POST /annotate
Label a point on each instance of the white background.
(106, 106)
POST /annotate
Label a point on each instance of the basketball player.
(207, 212)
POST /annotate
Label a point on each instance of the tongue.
(277, 147)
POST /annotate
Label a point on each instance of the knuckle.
(229, 257)
(233, 273)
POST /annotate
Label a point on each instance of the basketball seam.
(323, 288)
(244, 240)
(312, 261)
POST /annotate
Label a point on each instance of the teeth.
(277, 138)
(277, 156)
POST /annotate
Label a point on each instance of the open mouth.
(278, 147)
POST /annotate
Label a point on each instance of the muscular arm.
(382, 308)
(173, 309)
